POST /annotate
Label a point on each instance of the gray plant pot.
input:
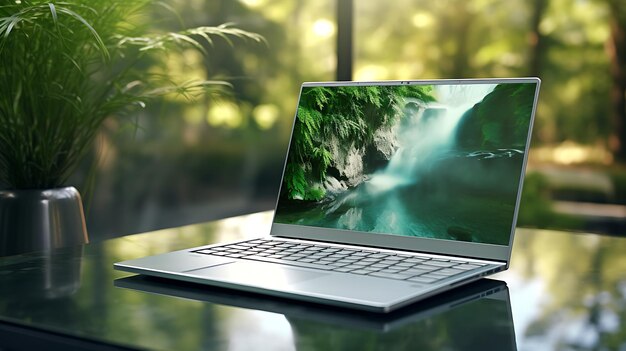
(40, 220)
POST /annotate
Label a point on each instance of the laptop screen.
(441, 161)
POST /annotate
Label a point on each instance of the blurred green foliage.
(561, 41)
(219, 155)
(67, 67)
(187, 156)
(536, 207)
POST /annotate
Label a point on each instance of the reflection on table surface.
(485, 302)
(566, 292)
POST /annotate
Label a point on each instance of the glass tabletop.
(563, 291)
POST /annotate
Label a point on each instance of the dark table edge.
(17, 336)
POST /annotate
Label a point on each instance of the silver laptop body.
(396, 172)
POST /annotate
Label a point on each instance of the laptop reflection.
(474, 317)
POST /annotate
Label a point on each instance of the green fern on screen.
(349, 116)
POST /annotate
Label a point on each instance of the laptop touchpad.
(258, 273)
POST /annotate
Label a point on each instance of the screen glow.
(434, 161)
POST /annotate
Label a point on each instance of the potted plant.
(65, 67)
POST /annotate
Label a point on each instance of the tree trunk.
(617, 52)
(537, 40)
(460, 61)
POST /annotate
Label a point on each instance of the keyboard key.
(240, 247)
(318, 262)
(378, 265)
(361, 264)
(388, 262)
(336, 264)
(404, 264)
(346, 252)
(371, 269)
(393, 258)
(336, 256)
(377, 256)
(292, 258)
(426, 267)
(234, 255)
(414, 260)
(361, 271)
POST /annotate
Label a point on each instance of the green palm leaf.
(66, 66)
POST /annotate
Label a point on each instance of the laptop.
(392, 192)
(486, 301)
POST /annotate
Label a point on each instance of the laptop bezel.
(415, 244)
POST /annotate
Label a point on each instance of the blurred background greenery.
(189, 162)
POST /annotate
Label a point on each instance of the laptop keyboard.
(411, 267)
